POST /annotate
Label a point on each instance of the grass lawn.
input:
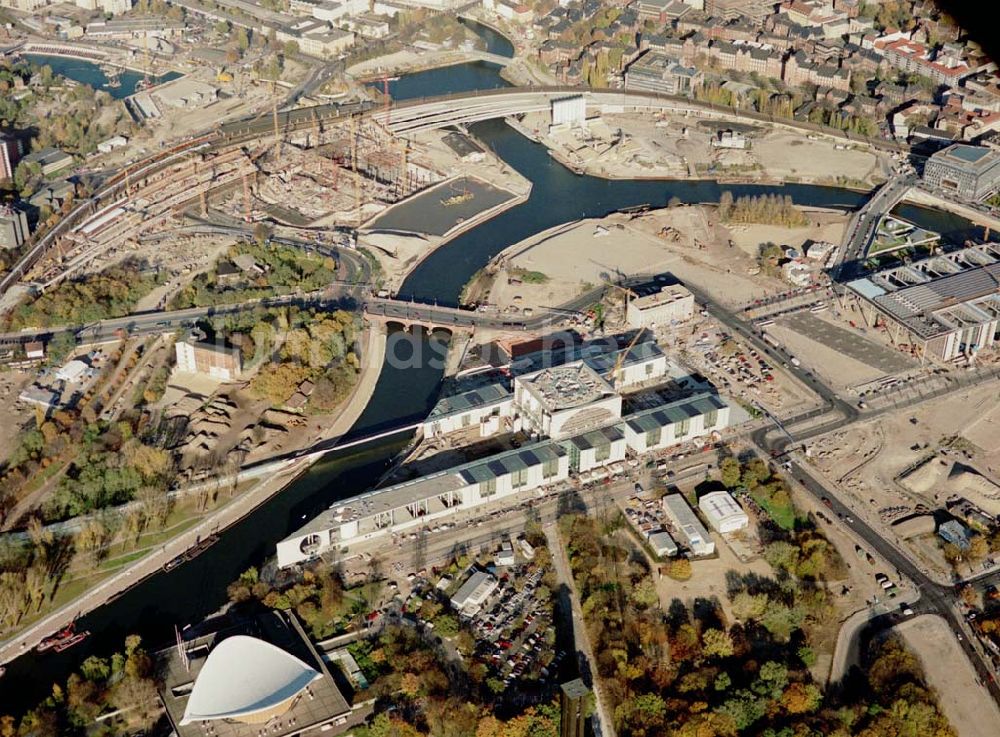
(782, 514)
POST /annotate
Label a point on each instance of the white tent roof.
(244, 676)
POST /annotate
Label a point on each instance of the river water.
(402, 395)
(91, 74)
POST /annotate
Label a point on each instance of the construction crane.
(616, 371)
(628, 292)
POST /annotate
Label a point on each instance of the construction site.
(320, 183)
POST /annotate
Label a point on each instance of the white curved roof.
(244, 676)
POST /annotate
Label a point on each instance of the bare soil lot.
(967, 705)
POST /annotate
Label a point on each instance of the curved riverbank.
(405, 390)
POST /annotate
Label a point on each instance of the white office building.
(723, 512)
(469, 409)
(670, 305)
(687, 525)
(595, 449)
(695, 417)
(641, 364)
(427, 500)
(566, 400)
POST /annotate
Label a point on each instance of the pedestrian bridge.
(411, 116)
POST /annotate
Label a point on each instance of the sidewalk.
(603, 727)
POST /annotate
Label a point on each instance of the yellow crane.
(625, 290)
(616, 371)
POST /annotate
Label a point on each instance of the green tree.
(730, 469)
(717, 644)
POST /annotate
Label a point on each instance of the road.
(863, 224)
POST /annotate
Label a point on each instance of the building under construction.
(341, 174)
(943, 308)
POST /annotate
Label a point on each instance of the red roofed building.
(910, 56)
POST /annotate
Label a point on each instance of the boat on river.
(191, 553)
(65, 638)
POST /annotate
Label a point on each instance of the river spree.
(403, 395)
(88, 73)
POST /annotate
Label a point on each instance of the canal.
(406, 389)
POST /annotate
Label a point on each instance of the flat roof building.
(970, 172)
(656, 72)
(595, 449)
(566, 400)
(685, 419)
(662, 544)
(956, 533)
(472, 594)
(72, 372)
(686, 523)
(198, 357)
(422, 501)
(723, 512)
(643, 362)
(947, 304)
(13, 227)
(50, 160)
(672, 304)
(468, 409)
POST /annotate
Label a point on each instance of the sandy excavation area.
(876, 465)
(967, 705)
(671, 145)
(788, 155)
(578, 256)
(823, 226)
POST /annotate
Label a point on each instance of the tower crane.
(616, 371)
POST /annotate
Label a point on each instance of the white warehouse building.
(723, 512)
(686, 419)
(686, 523)
(471, 596)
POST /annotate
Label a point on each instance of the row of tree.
(113, 292)
(769, 209)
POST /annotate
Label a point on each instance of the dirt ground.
(671, 146)
(575, 257)
(13, 413)
(183, 259)
(785, 154)
(708, 579)
(967, 705)
(823, 226)
(867, 462)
